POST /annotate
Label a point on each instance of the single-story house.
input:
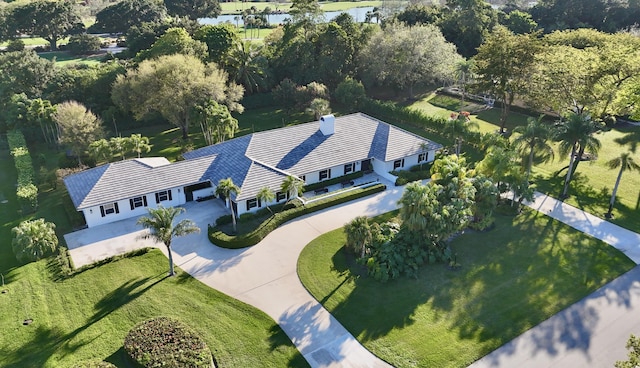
(313, 152)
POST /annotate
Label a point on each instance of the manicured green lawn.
(512, 278)
(65, 58)
(591, 189)
(236, 7)
(87, 316)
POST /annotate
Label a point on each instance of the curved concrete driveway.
(265, 276)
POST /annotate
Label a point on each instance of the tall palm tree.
(226, 188)
(246, 67)
(266, 195)
(162, 230)
(576, 137)
(101, 150)
(359, 235)
(624, 162)
(533, 141)
(292, 186)
(458, 126)
(139, 144)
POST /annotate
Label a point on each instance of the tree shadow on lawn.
(512, 278)
(49, 341)
(277, 339)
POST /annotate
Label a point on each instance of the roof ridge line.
(273, 167)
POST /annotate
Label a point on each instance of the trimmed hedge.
(223, 240)
(168, 343)
(95, 364)
(339, 179)
(27, 192)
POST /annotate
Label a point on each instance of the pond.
(358, 14)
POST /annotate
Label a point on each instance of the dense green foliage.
(221, 239)
(167, 342)
(633, 345)
(26, 191)
(83, 44)
(34, 240)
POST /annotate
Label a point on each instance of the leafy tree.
(40, 112)
(173, 85)
(350, 93)
(193, 9)
(500, 164)
(226, 188)
(503, 66)
(160, 223)
(15, 45)
(83, 44)
(359, 235)
(216, 122)
(221, 41)
(34, 240)
(119, 146)
(533, 142)
(141, 36)
(633, 345)
(624, 162)
(520, 22)
(484, 202)
(306, 11)
(175, 41)
(466, 23)
(123, 15)
(78, 127)
(562, 14)
(292, 186)
(417, 14)
(51, 20)
(401, 57)
(464, 74)
(266, 196)
(23, 72)
(575, 135)
(14, 114)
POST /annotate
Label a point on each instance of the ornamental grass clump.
(168, 343)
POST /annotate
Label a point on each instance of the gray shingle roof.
(132, 178)
(252, 161)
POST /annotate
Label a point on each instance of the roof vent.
(328, 124)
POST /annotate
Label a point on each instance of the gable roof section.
(131, 178)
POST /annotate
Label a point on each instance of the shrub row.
(339, 179)
(219, 238)
(168, 343)
(27, 192)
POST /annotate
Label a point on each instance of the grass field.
(65, 58)
(236, 7)
(591, 189)
(512, 278)
(87, 316)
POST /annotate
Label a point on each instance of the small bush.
(245, 217)
(223, 220)
(168, 343)
(84, 44)
(15, 45)
(405, 177)
(219, 238)
(339, 179)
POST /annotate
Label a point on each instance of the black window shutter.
(157, 198)
(116, 206)
(144, 200)
(259, 203)
(102, 211)
(329, 176)
(248, 208)
(169, 192)
(131, 204)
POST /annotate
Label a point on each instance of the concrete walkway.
(592, 332)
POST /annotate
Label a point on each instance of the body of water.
(358, 14)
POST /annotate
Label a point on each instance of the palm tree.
(417, 200)
(359, 235)
(245, 66)
(266, 195)
(292, 186)
(533, 141)
(624, 162)
(34, 240)
(458, 125)
(139, 144)
(226, 188)
(101, 150)
(120, 146)
(576, 137)
(162, 230)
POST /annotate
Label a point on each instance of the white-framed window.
(398, 164)
(138, 202)
(164, 195)
(325, 174)
(348, 168)
(423, 157)
(280, 196)
(109, 209)
(252, 203)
